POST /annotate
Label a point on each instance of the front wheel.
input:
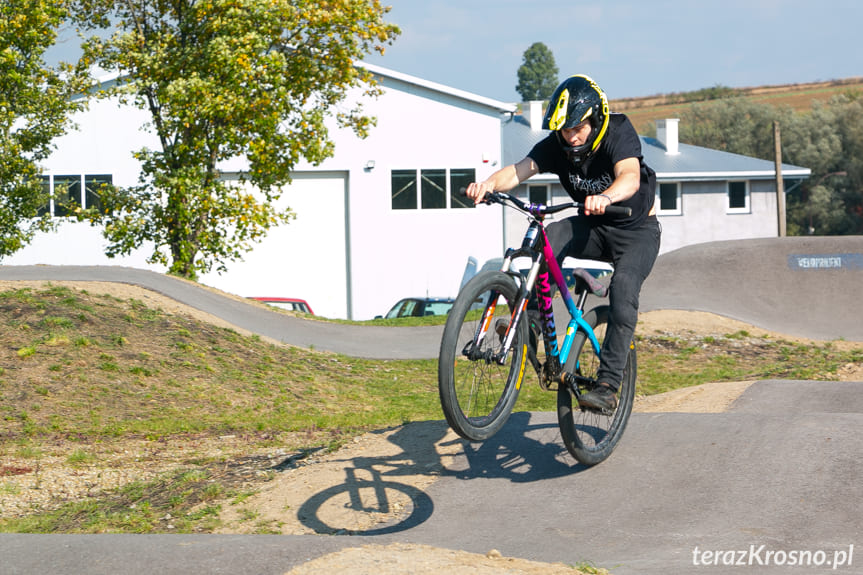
(589, 435)
(477, 393)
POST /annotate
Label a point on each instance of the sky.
(630, 47)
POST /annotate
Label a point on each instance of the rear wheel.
(591, 435)
(477, 393)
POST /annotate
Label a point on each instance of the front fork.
(539, 278)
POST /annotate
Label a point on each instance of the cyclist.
(597, 157)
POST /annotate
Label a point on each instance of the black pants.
(632, 253)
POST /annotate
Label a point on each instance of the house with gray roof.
(703, 195)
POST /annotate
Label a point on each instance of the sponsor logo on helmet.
(558, 119)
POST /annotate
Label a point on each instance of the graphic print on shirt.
(590, 187)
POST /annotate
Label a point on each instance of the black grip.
(622, 211)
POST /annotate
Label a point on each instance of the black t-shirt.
(595, 174)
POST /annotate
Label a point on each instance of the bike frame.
(544, 269)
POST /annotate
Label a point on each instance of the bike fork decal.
(521, 370)
(486, 321)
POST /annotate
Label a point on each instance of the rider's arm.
(503, 180)
(627, 179)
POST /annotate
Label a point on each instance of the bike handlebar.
(503, 197)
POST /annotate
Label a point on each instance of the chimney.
(666, 133)
(534, 115)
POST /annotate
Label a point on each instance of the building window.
(537, 195)
(433, 189)
(738, 197)
(404, 189)
(459, 180)
(46, 190)
(92, 187)
(668, 198)
(67, 195)
(429, 189)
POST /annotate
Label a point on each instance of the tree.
(223, 79)
(849, 125)
(736, 125)
(827, 139)
(537, 76)
(35, 105)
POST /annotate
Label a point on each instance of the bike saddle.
(585, 281)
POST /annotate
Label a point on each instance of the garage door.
(306, 258)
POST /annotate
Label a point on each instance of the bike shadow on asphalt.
(384, 493)
(387, 493)
(526, 449)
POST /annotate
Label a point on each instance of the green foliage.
(735, 125)
(35, 103)
(716, 92)
(537, 76)
(827, 138)
(223, 79)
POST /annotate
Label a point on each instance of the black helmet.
(577, 99)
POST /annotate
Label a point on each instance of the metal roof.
(104, 78)
(435, 87)
(691, 163)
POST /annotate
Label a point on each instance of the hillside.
(644, 111)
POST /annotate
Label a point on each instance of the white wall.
(704, 216)
(103, 142)
(402, 253)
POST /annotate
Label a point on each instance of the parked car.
(288, 303)
(420, 307)
(596, 268)
(570, 279)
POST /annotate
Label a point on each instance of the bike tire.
(477, 395)
(591, 436)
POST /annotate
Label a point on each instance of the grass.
(165, 374)
(666, 363)
(98, 371)
(176, 503)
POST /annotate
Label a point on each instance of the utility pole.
(780, 186)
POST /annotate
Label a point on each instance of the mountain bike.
(490, 337)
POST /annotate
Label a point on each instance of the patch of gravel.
(425, 560)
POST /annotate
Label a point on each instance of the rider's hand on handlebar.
(477, 191)
(595, 205)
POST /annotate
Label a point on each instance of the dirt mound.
(425, 560)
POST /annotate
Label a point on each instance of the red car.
(288, 303)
